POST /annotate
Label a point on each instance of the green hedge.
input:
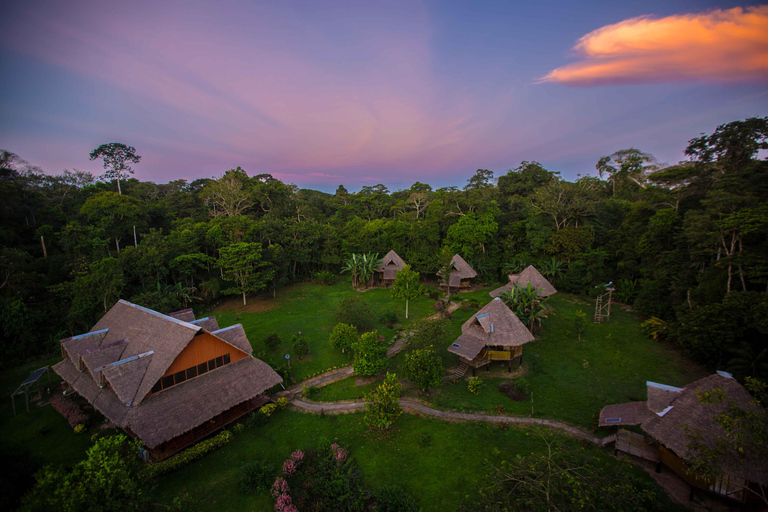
(191, 454)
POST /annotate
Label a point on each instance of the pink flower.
(284, 504)
(298, 455)
(280, 487)
(289, 468)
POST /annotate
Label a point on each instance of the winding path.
(414, 407)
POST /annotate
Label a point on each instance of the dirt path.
(414, 407)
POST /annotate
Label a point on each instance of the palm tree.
(514, 267)
(526, 304)
(361, 267)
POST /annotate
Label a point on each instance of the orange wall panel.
(202, 348)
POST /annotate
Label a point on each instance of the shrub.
(475, 385)
(434, 294)
(324, 277)
(190, 454)
(429, 334)
(268, 410)
(300, 347)
(383, 403)
(370, 355)
(343, 336)
(439, 305)
(69, 409)
(310, 391)
(257, 475)
(79, 429)
(393, 498)
(354, 311)
(388, 318)
(283, 402)
(424, 368)
(272, 341)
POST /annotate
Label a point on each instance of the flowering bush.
(475, 385)
(69, 409)
(79, 429)
(282, 402)
(268, 410)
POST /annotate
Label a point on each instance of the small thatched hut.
(169, 380)
(492, 334)
(670, 411)
(460, 275)
(521, 280)
(390, 265)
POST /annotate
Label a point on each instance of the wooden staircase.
(462, 369)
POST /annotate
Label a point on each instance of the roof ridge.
(155, 313)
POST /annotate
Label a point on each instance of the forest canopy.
(686, 244)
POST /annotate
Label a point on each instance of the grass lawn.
(570, 379)
(437, 462)
(310, 309)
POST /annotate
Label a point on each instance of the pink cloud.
(713, 46)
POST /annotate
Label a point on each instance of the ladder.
(603, 307)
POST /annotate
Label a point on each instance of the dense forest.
(686, 245)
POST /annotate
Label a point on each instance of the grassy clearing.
(570, 379)
(437, 462)
(310, 309)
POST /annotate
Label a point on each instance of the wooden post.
(42, 242)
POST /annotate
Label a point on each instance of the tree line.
(685, 244)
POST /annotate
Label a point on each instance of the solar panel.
(613, 420)
(456, 345)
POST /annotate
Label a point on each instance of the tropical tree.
(361, 267)
(343, 336)
(526, 304)
(626, 165)
(117, 158)
(552, 268)
(226, 195)
(370, 355)
(424, 368)
(241, 262)
(406, 286)
(383, 403)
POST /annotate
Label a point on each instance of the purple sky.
(323, 93)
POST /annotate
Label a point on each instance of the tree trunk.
(117, 244)
(42, 242)
(119, 191)
(406, 309)
(244, 298)
(135, 243)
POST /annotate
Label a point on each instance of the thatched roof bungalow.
(671, 411)
(492, 334)
(390, 265)
(169, 382)
(460, 274)
(521, 280)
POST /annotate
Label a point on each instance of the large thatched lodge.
(671, 414)
(528, 276)
(168, 380)
(494, 333)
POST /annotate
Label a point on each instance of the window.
(202, 368)
(219, 361)
(192, 372)
(179, 377)
(226, 358)
(157, 387)
(167, 381)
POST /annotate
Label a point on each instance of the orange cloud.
(719, 45)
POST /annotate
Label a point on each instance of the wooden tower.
(603, 305)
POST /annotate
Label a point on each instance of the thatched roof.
(461, 268)
(667, 423)
(235, 335)
(208, 323)
(185, 315)
(521, 280)
(148, 344)
(390, 264)
(494, 324)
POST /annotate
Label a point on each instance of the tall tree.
(242, 263)
(226, 195)
(406, 286)
(626, 165)
(117, 158)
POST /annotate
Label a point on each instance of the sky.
(359, 93)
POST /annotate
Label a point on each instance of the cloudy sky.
(359, 93)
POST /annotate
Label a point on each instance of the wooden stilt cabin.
(492, 334)
(390, 265)
(168, 380)
(460, 275)
(666, 415)
(528, 276)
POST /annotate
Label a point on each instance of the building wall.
(202, 348)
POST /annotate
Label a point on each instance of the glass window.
(192, 372)
(225, 358)
(202, 368)
(167, 381)
(211, 364)
(219, 361)
(179, 377)
(158, 386)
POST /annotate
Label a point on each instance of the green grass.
(437, 462)
(570, 379)
(310, 309)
